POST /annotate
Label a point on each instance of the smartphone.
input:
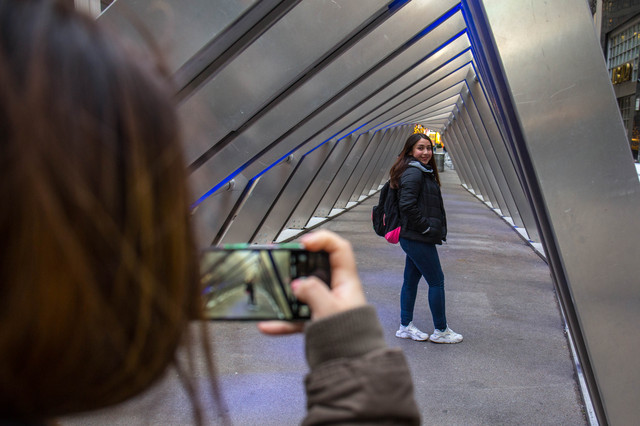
(253, 282)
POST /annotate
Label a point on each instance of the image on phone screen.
(255, 283)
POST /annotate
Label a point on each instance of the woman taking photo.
(99, 273)
(424, 224)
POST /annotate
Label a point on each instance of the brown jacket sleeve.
(355, 377)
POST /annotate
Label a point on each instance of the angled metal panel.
(394, 143)
(452, 144)
(430, 113)
(181, 32)
(524, 215)
(387, 155)
(262, 135)
(437, 86)
(321, 183)
(480, 156)
(571, 149)
(474, 177)
(471, 143)
(259, 202)
(379, 147)
(207, 221)
(348, 175)
(384, 102)
(267, 67)
(354, 190)
(340, 114)
(505, 201)
(341, 175)
(460, 152)
(294, 193)
(492, 167)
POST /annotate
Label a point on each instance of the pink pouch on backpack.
(393, 236)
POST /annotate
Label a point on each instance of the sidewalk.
(513, 368)
(514, 365)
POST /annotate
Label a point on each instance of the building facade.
(620, 39)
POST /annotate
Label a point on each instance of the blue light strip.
(446, 88)
(436, 23)
(393, 6)
(281, 159)
(275, 163)
(453, 58)
(397, 4)
(218, 186)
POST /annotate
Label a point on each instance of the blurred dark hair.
(98, 271)
(405, 157)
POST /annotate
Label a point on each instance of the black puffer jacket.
(422, 212)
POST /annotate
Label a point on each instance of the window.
(626, 106)
(624, 47)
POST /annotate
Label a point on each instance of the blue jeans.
(422, 261)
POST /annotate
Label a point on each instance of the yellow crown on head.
(419, 129)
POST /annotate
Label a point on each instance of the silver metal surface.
(452, 144)
(521, 212)
(367, 166)
(180, 32)
(270, 65)
(334, 198)
(490, 164)
(388, 154)
(583, 187)
(383, 103)
(313, 196)
(259, 134)
(244, 154)
(471, 143)
(294, 111)
(504, 199)
(348, 195)
(475, 183)
(297, 191)
(259, 201)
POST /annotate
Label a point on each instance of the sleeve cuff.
(348, 334)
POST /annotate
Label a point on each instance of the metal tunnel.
(294, 112)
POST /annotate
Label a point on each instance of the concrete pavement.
(514, 366)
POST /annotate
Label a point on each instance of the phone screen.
(254, 282)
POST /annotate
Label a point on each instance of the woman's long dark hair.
(405, 157)
(98, 269)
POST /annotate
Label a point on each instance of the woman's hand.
(345, 292)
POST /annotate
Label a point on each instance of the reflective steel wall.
(294, 112)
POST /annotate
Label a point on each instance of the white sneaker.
(411, 332)
(447, 336)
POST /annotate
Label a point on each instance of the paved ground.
(513, 368)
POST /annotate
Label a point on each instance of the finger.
(315, 293)
(280, 327)
(343, 263)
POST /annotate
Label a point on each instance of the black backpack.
(386, 215)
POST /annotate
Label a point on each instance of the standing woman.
(424, 224)
(99, 275)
